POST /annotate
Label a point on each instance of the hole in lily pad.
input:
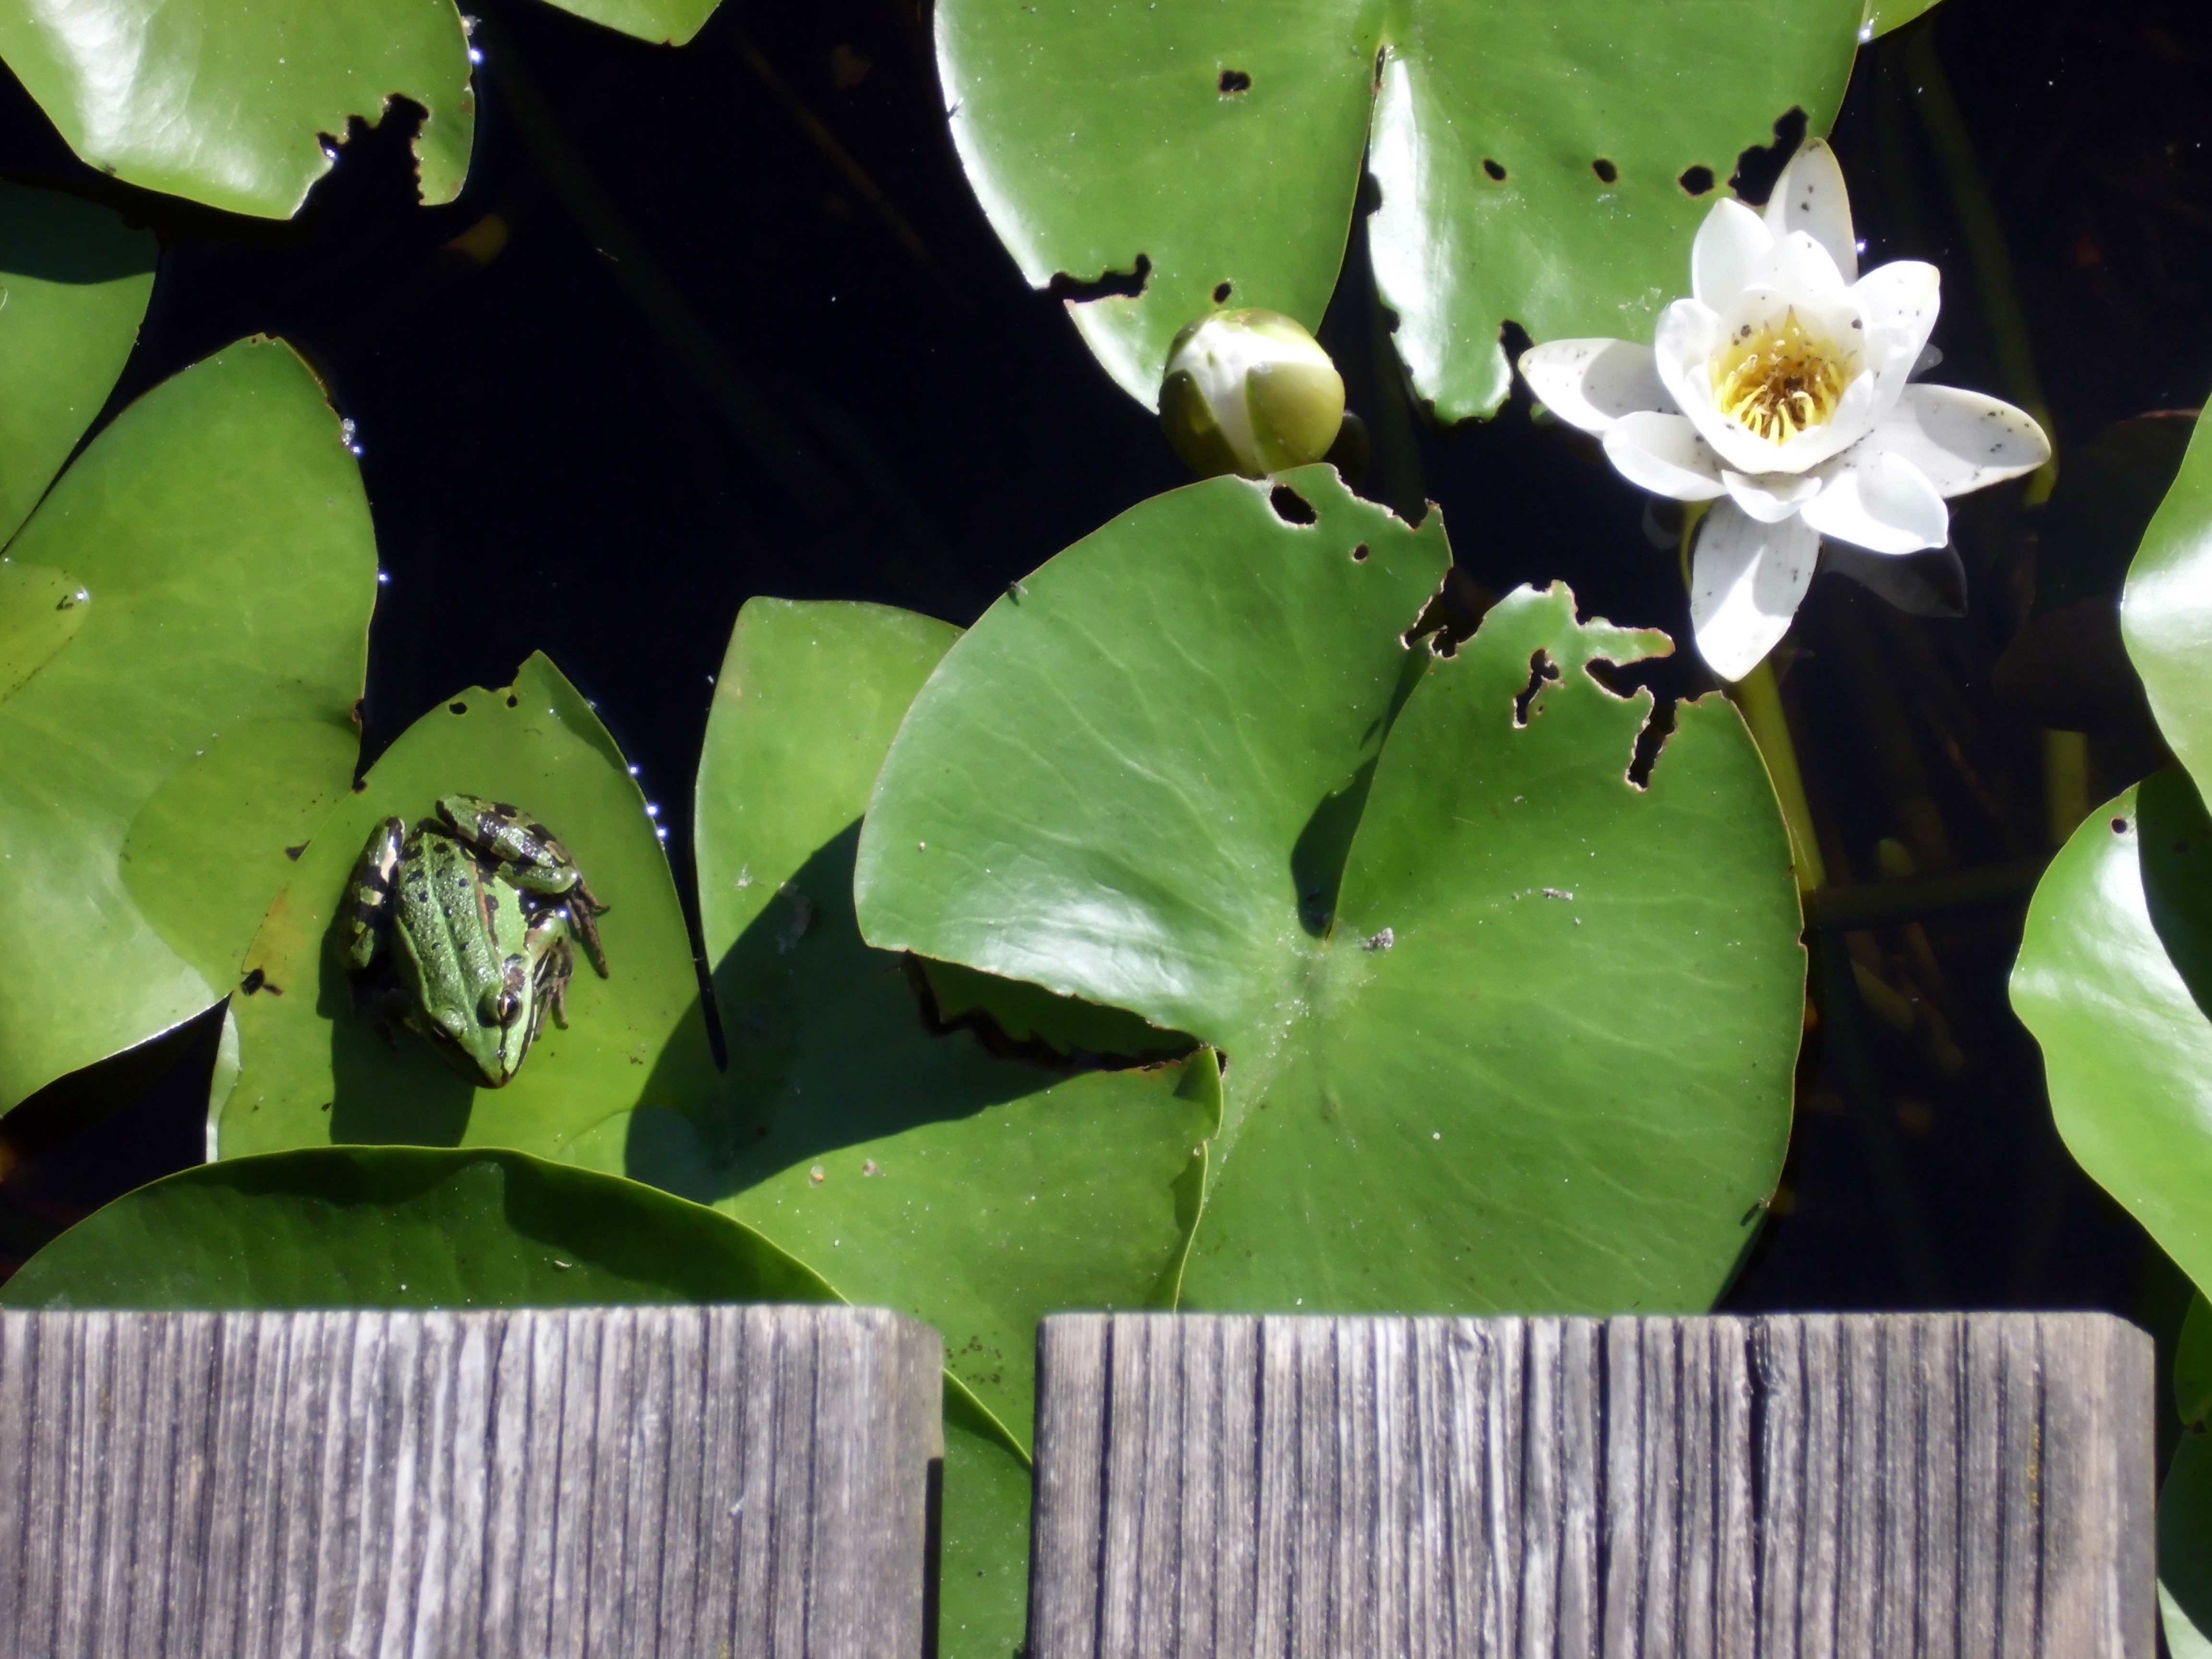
(1606, 172)
(1234, 82)
(1757, 168)
(457, 709)
(1697, 180)
(1291, 507)
(1495, 169)
(1359, 554)
(1108, 284)
(1452, 614)
(1542, 671)
(1221, 293)
(1658, 726)
(2119, 826)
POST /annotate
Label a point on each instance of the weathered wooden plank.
(1924, 1486)
(625, 1482)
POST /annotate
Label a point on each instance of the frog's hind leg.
(368, 894)
(582, 910)
(531, 858)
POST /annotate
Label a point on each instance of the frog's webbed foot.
(553, 984)
(581, 908)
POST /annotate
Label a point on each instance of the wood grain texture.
(1921, 1487)
(631, 1482)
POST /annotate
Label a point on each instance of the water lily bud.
(1249, 391)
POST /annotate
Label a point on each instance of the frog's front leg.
(368, 894)
(531, 857)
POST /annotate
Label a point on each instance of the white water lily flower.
(1781, 391)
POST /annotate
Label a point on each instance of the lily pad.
(401, 1227)
(2114, 970)
(1547, 165)
(2165, 612)
(983, 1535)
(74, 284)
(229, 101)
(314, 1070)
(1883, 16)
(1504, 1029)
(2192, 1366)
(2184, 1549)
(911, 1167)
(668, 23)
(235, 103)
(195, 716)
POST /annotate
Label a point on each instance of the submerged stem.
(1758, 700)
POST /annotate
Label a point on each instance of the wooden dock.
(755, 1482)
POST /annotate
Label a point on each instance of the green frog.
(459, 928)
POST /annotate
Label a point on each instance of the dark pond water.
(759, 360)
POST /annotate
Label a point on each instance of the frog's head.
(487, 1042)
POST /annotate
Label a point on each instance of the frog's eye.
(500, 1005)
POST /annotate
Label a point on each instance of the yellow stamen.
(1780, 380)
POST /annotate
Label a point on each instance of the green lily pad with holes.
(910, 1166)
(2165, 612)
(1502, 1029)
(2114, 970)
(188, 716)
(316, 1070)
(1534, 163)
(401, 1227)
(234, 103)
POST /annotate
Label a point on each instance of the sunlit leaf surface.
(2113, 972)
(2166, 612)
(235, 103)
(1504, 1030)
(189, 716)
(1545, 164)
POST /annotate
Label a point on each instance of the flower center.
(1781, 380)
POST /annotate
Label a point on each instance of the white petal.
(1798, 269)
(1772, 498)
(1810, 197)
(1929, 357)
(1880, 502)
(1681, 346)
(1664, 454)
(1731, 245)
(1897, 305)
(1689, 333)
(1593, 383)
(1960, 440)
(1745, 580)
